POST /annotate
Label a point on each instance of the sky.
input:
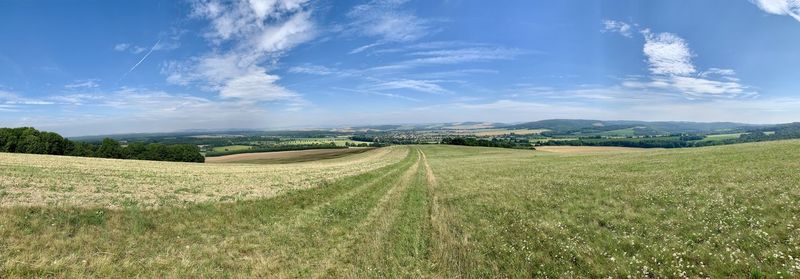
(107, 67)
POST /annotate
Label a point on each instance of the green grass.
(721, 137)
(449, 211)
(629, 132)
(231, 148)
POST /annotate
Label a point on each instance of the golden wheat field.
(35, 180)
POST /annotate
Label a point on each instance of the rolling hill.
(418, 211)
(581, 126)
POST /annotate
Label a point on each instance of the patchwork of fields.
(412, 211)
(283, 157)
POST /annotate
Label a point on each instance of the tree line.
(32, 141)
(495, 142)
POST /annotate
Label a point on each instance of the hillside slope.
(447, 211)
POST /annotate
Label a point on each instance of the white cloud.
(667, 54)
(296, 30)
(83, 84)
(619, 27)
(243, 19)
(669, 60)
(780, 7)
(256, 86)
(248, 36)
(385, 19)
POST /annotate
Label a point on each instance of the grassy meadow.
(422, 211)
(721, 137)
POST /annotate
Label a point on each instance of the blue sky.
(102, 67)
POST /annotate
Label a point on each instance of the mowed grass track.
(444, 211)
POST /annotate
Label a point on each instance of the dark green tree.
(109, 148)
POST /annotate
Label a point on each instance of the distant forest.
(32, 141)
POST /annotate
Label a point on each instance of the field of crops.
(285, 157)
(434, 211)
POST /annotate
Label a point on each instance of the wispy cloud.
(457, 73)
(453, 56)
(780, 7)
(387, 20)
(364, 48)
(618, 26)
(122, 47)
(83, 84)
(313, 70)
(141, 109)
(426, 86)
(504, 105)
(727, 73)
(377, 93)
(10, 100)
(692, 86)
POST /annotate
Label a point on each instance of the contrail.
(143, 58)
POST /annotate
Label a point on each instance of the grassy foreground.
(443, 211)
